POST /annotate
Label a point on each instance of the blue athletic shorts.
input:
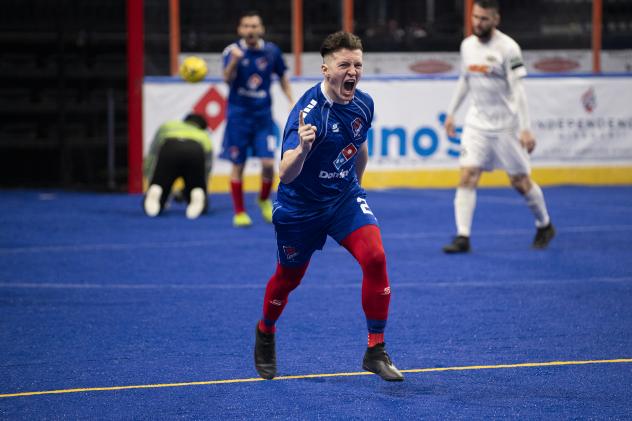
(299, 236)
(248, 136)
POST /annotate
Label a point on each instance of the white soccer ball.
(193, 69)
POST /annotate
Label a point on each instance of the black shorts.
(180, 158)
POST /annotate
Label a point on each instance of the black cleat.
(377, 361)
(543, 236)
(265, 354)
(460, 244)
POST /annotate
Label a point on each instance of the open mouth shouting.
(348, 87)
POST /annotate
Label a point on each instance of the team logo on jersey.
(254, 82)
(345, 155)
(356, 126)
(589, 100)
(478, 68)
(290, 252)
(335, 128)
(261, 63)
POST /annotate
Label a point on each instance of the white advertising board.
(577, 121)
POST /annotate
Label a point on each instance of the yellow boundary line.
(315, 376)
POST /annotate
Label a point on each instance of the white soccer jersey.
(488, 69)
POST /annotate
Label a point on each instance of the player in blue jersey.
(323, 159)
(248, 68)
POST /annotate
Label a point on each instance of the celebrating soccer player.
(248, 68)
(323, 159)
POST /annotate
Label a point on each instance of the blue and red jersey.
(329, 170)
(250, 90)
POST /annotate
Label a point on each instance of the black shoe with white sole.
(377, 361)
(265, 354)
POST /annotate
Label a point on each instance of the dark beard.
(484, 35)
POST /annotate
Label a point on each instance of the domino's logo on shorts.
(290, 252)
(234, 152)
(345, 155)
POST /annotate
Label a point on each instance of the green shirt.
(180, 130)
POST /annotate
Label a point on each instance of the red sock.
(284, 280)
(365, 244)
(236, 190)
(266, 186)
(375, 338)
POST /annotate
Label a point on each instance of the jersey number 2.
(364, 205)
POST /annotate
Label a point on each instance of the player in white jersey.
(497, 128)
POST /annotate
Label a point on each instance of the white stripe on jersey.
(366, 107)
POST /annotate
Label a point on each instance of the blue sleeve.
(225, 59)
(290, 134)
(279, 64)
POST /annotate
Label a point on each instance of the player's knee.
(237, 172)
(290, 276)
(373, 260)
(469, 180)
(522, 183)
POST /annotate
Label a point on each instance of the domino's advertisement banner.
(577, 121)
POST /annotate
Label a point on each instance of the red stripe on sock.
(375, 338)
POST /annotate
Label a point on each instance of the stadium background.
(65, 75)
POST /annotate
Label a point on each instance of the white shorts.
(490, 150)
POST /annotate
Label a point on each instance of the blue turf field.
(94, 294)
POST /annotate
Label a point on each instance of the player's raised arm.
(293, 159)
(230, 71)
(306, 132)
